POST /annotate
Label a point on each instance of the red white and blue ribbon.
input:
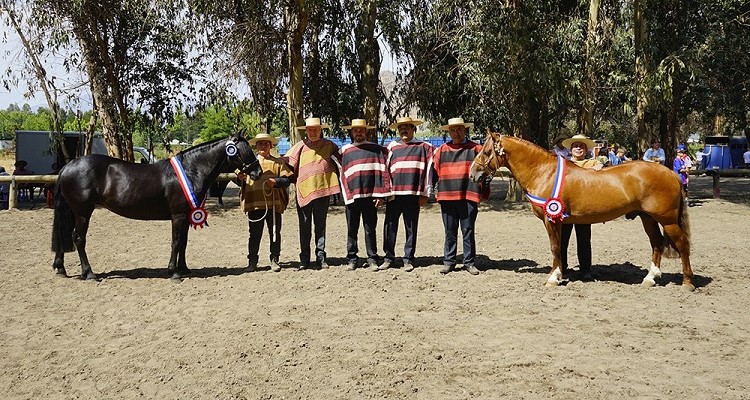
(553, 207)
(198, 213)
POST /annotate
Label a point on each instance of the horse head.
(241, 156)
(490, 159)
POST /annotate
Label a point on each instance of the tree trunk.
(641, 67)
(370, 66)
(586, 120)
(295, 20)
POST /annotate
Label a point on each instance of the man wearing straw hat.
(458, 195)
(312, 161)
(365, 183)
(264, 200)
(410, 164)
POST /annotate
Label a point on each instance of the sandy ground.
(333, 334)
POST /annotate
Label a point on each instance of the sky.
(11, 56)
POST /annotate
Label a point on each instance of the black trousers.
(316, 211)
(583, 241)
(455, 213)
(364, 209)
(255, 230)
(408, 206)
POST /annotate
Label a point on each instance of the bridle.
(236, 154)
(486, 161)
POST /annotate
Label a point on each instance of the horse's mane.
(200, 147)
(531, 145)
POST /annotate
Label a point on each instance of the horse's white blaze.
(554, 278)
(654, 273)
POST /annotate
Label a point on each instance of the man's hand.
(270, 182)
(379, 202)
(241, 176)
(423, 200)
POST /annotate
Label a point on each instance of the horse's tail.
(683, 220)
(64, 222)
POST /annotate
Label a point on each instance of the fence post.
(13, 194)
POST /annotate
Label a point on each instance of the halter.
(230, 148)
(485, 164)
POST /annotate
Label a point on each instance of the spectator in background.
(20, 168)
(746, 158)
(621, 156)
(612, 155)
(4, 189)
(558, 147)
(679, 167)
(655, 153)
(25, 190)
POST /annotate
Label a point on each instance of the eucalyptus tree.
(133, 53)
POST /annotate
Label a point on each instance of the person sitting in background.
(621, 156)
(25, 190)
(655, 153)
(612, 156)
(4, 189)
(558, 147)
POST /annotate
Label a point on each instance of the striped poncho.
(410, 165)
(364, 172)
(452, 163)
(315, 169)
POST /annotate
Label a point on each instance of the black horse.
(142, 191)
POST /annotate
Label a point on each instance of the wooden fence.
(38, 180)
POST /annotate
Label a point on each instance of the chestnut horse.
(145, 192)
(638, 188)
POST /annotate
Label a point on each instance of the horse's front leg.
(554, 231)
(177, 267)
(79, 238)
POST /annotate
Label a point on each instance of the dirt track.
(347, 335)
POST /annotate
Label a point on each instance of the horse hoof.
(648, 282)
(552, 284)
(60, 272)
(688, 287)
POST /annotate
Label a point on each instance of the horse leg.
(59, 264)
(682, 243)
(79, 238)
(657, 240)
(177, 267)
(554, 231)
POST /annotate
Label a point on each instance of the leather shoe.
(471, 269)
(275, 266)
(408, 267)
(446, 269)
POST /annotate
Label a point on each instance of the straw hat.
(313, 122)
(404, 121)
(20, 164)
(456, 122)
(263, 136)
(358, 123)
(579, 138)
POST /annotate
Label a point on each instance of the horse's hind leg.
(654, 236)
(79, 238)
(682, 243)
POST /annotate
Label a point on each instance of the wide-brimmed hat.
(456, 122)
(560, 137)
(263, 136)
(20, 164)
(579, 138)
(313, 122)
(405, 121)
(358, 123)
